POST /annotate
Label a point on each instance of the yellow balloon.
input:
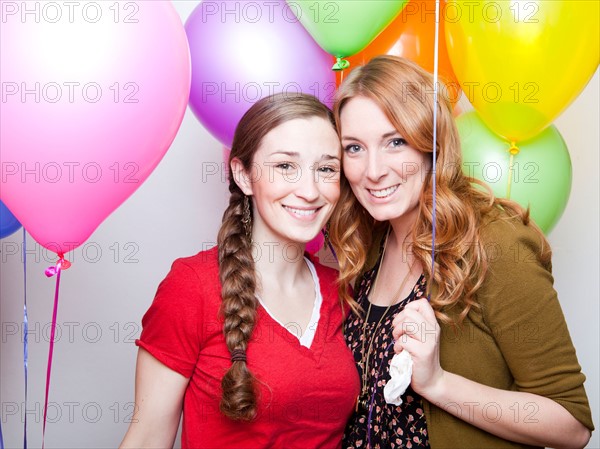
(522, 62)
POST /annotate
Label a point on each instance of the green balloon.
(344, 27)
(541, 172)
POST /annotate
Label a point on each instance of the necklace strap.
(379, 268)
(366, 357)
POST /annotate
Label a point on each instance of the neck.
(277, 262)
(401, 238)
(402, 227)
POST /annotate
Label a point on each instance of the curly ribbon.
(340, 64)
(25, 333)
(513, 150)
(62, 264)
(341, 77)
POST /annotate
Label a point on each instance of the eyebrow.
(384, 136)
(297, 154)
(286, 153)
(390, 134)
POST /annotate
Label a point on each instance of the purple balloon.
(243, 51)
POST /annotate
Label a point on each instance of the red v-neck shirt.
(306, 394)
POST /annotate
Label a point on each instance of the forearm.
(513, 415)
(148, 432)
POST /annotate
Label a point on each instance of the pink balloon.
(245, 50)
(92, 97)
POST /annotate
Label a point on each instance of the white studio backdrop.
(177, 213)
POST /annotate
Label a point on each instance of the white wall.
(176, 213)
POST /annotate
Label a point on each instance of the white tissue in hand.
(401, 373)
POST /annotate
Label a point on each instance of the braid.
(238, 285)
(236, 265)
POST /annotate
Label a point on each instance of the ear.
(241, 177)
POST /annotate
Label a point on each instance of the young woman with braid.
(246, 338)
(493, 362)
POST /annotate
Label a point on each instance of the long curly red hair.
(404, 92)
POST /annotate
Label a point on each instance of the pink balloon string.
(25, 333)
(62, 264)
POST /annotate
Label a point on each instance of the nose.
(375, 169)
(307, 187)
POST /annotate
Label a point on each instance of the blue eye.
(328, 169)
(397, 142)
(351, 149)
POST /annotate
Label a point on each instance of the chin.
(306, 238)
(380, 214)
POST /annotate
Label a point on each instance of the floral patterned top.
(390, 426)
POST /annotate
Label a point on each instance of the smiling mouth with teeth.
(302, 212)
(384, 192)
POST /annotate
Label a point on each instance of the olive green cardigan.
(518, 340)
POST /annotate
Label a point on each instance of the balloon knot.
(61, 264)
(340, 64)
(514, 149)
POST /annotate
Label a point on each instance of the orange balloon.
(412, 36)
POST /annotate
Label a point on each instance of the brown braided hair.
(236, 265)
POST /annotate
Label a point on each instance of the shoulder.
(327, 276)
(193, 276)
(510, 242)
(203, 264)
(200, 270)
(518, 262)
(497, 223)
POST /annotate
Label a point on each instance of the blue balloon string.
(25, 332)
(435, 108)
(433, 223)
(329, 244)
(372, 400)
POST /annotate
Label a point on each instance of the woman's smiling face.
(295, 180)
(386, 174)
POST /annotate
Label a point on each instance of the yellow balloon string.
(513, 150)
